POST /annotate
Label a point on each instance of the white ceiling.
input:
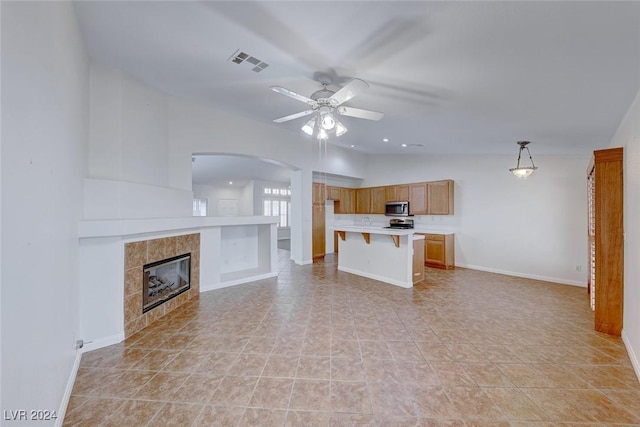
(454, 77)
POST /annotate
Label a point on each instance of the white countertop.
(374, 230)
(396, 231)
(128, 227)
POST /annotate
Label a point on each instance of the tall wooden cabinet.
(606, 239)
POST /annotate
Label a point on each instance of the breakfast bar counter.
(378, 253)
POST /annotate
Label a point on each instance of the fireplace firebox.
(166, 279)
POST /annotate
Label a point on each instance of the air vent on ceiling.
(240, 57)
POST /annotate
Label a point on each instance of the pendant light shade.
(523, 171)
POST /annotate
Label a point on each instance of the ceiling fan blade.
(350, 90)
(360, 113)
(292, 94)
(293, 116)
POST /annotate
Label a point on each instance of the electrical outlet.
(578, 268)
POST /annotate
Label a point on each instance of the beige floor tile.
(312, 395)
(163, 386)
(133, 413)
(272, 393)
(219, 416)
(262, 417)
(318, 368)
(176, 415)
(515, 404)
(307, 418)
(91, 411)
(281, 366)
(234, 391)
(344, 369)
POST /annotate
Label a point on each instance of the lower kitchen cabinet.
(439, 250)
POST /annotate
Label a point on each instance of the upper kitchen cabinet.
(418, 198)
(390, 193)
(343, 200)
(402, 193)
(363, 200)
(440, 198)
(333, 193)
(378, 200)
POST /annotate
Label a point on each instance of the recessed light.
(230, 182)
(403, 145)
(385, 139)
(352, 146)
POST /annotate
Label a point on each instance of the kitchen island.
(378, 253)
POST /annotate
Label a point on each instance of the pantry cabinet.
(606, 239)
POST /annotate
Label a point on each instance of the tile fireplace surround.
(136, 255)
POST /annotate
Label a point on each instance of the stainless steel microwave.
(397, 209)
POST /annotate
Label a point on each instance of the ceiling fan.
(326, 104)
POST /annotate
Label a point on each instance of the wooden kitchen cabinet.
(418, 198)
(606, 239)
(402, 193)
(390, 193)
(347, 205)
(319, 193)
(333, 193)
(363, 200)
(378, 200)
(440, 198)
(439, 250)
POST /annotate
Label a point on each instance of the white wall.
(129, 172)
(214, 194)
(531, 228)
(628, 136)
(45, 104)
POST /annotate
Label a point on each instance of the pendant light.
(523, 171)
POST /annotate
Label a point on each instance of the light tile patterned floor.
(317, 347)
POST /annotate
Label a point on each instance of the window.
(276, 201)
(199, 207)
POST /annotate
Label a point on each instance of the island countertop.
(374, 230)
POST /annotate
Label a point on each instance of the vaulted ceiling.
(450, 77)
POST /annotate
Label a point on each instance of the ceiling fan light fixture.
(322, 133)
(308, 127)
(340, 128)
(327, 121)
(523, 171)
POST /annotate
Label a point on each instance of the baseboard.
(632, 355)
(524, 275)
(102, 342)
(237, 282)
(62, 410)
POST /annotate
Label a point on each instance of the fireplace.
(166, 279)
